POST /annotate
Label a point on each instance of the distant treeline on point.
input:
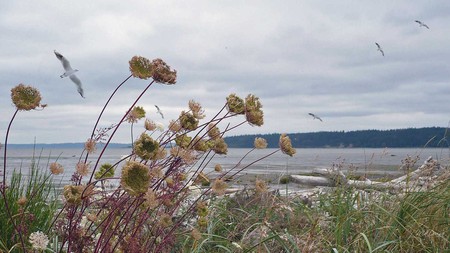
(395, 138)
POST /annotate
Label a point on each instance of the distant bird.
(315, 116)
(159, 111)
(421, 24)
(379, 48)
(70, 72)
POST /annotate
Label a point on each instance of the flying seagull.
(315, 116)
(159, 111)
(421, 24)
(379, 48)
(70, 72)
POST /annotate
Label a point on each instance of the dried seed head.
(135, 178)
(196, 109)
(219, 186)
(286, 146)
(195, 234)
(213, 131)
(135, 114)
(188, 121)
(25, 97)
(22, 201)
(149, 125)
(235, 104)
(220, 147)
(141, 67)
(218, 168)
(200, 144)
(56, 168)
(183, 141)
(174, 126)
(260, 186)
(151, 200)
(38, 240)
(165, 220)
(253, 112)
(82, 169)
(260, 143)
(89, 145)
(145, 147)
(72, 194)
(162, 73)
(202, 179)
(186, 155)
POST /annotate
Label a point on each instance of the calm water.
(373, 160)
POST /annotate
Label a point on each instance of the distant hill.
(63, 145)
(396, 138)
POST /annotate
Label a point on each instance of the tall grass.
(31, 200)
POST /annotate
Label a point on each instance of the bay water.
(366, 160)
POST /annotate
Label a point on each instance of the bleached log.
(311, 180)
(364, 185)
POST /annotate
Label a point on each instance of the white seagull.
(315, 116)
(159, 111)
(421, 24)
(70, 72)
(379, 48)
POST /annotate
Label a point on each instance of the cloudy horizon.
(298, 57)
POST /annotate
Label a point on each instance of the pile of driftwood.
(427, 175)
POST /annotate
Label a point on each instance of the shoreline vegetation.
(166, 201)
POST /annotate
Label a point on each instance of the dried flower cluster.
(235, 104)
(146, 148)
(162, 73)
(56, 168)
(72, 194)
(253, 112)
(286, 146)
(39, 240)
(135, 178)
(135, 114)
(260, 143)
(25, 97)
(141, 67)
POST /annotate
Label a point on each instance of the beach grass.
(30, 198)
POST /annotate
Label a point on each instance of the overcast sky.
(296, 56)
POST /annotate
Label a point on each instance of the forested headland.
(395, 138)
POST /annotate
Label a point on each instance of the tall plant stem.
(3, 186)
(117, 127)
(6, 146)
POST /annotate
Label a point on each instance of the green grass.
(341, 220)
(37, 212)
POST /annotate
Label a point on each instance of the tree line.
(394, 138)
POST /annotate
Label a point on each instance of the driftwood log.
(431, 171)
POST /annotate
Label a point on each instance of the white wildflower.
(38, 240)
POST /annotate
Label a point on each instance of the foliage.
(31, 201)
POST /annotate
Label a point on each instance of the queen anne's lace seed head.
(141, 67)
(286, 146)
(135, 178)
(235, 104)
(56, 168)
(25, 97)
(38, 240)
(146, 148)
(260, 143)
(162, 73)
